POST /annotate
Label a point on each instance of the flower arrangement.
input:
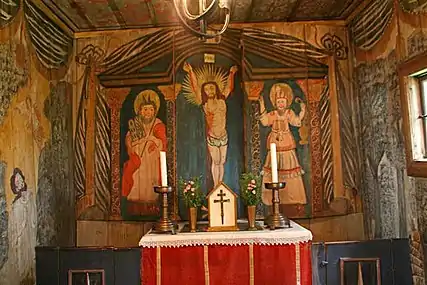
(250, 189)
(191, 193)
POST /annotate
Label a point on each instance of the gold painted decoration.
(253, 89)
(170, 91)
(145, 97)
(204, 74)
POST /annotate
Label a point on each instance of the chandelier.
(191, 21)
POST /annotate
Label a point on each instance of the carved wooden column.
(335, 126)
(253, 90)
(170, 92)
(115, 98)
(90, 134)
(312, 89)
(90, 60)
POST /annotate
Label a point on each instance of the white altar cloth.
(295, 234)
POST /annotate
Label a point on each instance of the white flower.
(253, 192)
(192, 194)
(253, 181)
(193, 189)
(192, 182)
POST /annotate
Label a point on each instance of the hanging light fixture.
(190, 21)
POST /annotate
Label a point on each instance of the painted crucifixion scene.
(216, 117)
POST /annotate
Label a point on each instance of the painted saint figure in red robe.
(144, 141)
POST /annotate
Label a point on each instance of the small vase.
(251, 218)
(192, 219)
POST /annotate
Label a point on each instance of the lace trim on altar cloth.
(294, 235)
(233, 242)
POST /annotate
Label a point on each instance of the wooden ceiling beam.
(357, 11)
(249, 15)
(56, 14)
(152, 11)
(117, 14)
(64, 21)
(294, 10)
(81, 12)
(349, 8)
(85, 33)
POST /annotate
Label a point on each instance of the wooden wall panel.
(321, 44)
(128, 234)
(112, 233)
(394, 203)
(36, 201)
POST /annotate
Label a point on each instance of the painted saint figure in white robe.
(289, 169)
(22, 232)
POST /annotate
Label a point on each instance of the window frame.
(410, 96)
(423, 110)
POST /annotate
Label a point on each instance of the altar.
(279, 257)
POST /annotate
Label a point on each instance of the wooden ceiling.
(92, 15)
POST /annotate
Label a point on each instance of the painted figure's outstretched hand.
(263, 115)
(230, 82)
(303, 107)
(187, 67)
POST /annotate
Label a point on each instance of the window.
(413, 94)
(422, 80)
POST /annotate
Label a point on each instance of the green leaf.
(190, 192)
(250, 189)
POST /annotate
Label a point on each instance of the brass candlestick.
(164, 224)
(276, 219)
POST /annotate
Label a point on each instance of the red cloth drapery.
(227, 265)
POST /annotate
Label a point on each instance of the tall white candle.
(274, 174)
(163, 168)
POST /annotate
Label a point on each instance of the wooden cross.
(222, 201)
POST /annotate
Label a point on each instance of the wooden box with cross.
(222, 206)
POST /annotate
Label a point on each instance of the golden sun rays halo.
(205, 73)
(144, 97)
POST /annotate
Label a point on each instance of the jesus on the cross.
(209, 87)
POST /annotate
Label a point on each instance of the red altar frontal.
(228, 258)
